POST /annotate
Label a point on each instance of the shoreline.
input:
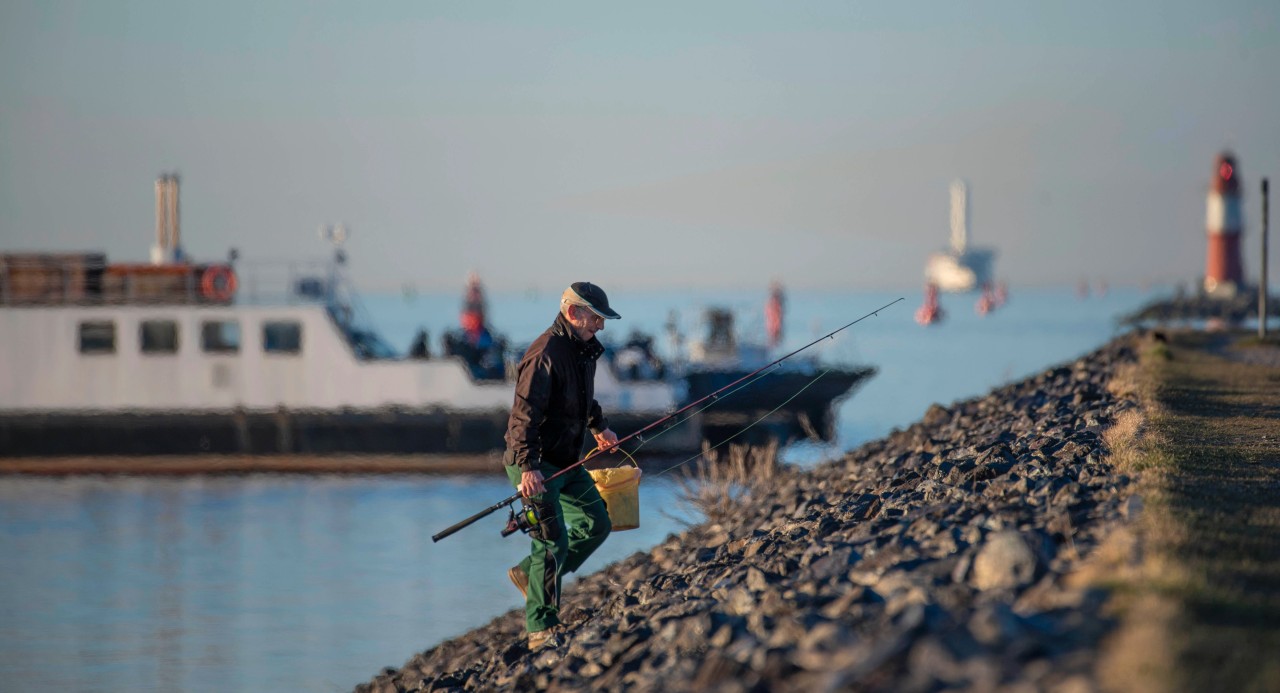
(432, 464)
(939, 555)
(185, 465)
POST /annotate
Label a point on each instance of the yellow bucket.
(620, 489)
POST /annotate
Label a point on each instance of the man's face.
(585, 323)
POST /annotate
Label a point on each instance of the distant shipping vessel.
(182, 358)
(961, 268)
(175, 357)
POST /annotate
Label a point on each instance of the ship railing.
(289, 282)
(88, 279)
(31, 279)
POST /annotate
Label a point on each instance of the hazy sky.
(640, 144)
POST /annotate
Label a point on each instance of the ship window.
(158, 336)
(282, 337)
(220, 336)
(98, 337)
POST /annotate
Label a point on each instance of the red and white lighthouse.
(1224, 272)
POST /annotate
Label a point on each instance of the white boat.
(176, 357)
(961, 268)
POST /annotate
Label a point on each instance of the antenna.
(335, 234)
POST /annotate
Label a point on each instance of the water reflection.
(253, 583)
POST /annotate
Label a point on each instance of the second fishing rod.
(712, 397)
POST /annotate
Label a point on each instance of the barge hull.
(283, 433)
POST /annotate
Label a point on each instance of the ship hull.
(63, 394)
(788, 405)
(285, 433)
(960, 273)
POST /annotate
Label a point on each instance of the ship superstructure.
(962, 267)
(178, 357)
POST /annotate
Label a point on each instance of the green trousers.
(575, 522)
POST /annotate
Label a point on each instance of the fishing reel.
(526, 520)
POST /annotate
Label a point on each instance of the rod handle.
(474, 518)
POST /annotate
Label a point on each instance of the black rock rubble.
(933, 558)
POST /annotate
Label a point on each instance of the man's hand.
(606, 439)
(531, 484)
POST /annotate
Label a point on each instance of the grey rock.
(960, 572)
(1005, 561)
(930, 665)
(716, 537)
(936, 414)
(835, 564)
(995, 624)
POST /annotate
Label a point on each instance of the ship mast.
(959, 217)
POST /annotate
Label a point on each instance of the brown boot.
(544, 638)
(520, 580)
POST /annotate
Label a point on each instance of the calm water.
(314, 583)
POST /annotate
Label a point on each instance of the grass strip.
(1202, 611)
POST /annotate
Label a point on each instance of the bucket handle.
(596, 451)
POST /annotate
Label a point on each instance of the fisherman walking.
(554, 408)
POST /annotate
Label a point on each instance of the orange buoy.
(218, 283)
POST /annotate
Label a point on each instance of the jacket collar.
(592, 348)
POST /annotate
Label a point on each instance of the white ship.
(961, 268)
(175, 357)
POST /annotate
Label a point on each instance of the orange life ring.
(218, 283)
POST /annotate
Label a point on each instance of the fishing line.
(669, 427)
(595, 452)
(712, 397)
(771, 369)
(748, 426)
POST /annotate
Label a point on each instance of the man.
(554, 407)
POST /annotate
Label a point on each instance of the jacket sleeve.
(596, 420)
(533, 392)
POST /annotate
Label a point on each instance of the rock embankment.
(935, 557)
(1181, 308)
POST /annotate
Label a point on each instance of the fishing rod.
(640, 433)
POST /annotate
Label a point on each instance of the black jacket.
(555, 399)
